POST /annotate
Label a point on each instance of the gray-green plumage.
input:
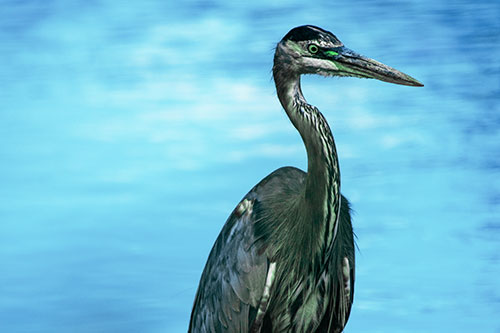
(284, 260)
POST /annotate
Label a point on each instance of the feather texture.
(233, 281)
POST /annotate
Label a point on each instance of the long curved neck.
(321, 196)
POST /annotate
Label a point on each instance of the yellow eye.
(313, 48)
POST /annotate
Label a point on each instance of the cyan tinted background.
(128, 133)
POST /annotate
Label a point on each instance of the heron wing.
(234, 277)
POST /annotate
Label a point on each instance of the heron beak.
(350, 63)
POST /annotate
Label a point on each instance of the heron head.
(311, 50)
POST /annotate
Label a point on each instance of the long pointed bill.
(350, 63)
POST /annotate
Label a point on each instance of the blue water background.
(130, 130)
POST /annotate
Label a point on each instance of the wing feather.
(233, 280)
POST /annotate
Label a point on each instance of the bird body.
(248, 247)
(284, 260)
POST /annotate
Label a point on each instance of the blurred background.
(130, 130)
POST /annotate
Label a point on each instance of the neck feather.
(321, 194)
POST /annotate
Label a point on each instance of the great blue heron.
(284, 260)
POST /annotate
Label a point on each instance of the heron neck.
(322, 188)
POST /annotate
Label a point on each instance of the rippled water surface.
(128, 133)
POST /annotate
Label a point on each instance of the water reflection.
(129, 132)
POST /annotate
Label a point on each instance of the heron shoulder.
(281, 185)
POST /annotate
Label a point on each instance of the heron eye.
(313, 48)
